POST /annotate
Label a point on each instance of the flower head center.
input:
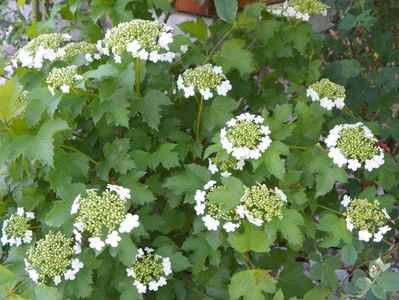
(245, 134)
(354, 145)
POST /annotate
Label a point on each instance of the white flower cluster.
(261, 204)
(367, 217)
(149, 270)
(52, 259)
(245, 137)
(44, 47)
(211, 213)
(96, 212)
(299, 9)
(88, 50)
(206, 80)
(143, 39)
(224, 166)
(15, 230)
(352, 145)
(327, 93)
(63, 79)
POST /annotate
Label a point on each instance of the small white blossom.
(70, 275)
(113, 239)
(33, 275)
(122, 192)
(364, 235)
(30, 215)
(230, 226)
(210, 223)
(213, 168)
(130, 222)
(57, 280)
(209, 184)
(345, 200)
(75, 205)
(96, 243)
(20, 211)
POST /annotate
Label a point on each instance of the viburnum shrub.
(233, 161)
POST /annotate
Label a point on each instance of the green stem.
(45, 15)
(76, 150)
(209, 56)
(298, 147)
(35, 11)
(330, 209)
(137, 84)
(201, 104)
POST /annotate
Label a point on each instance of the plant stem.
(35, 11)
(76, 150)
(209, 56)
(330, 209)
(298, 147)
(138, 79)
(200, 105)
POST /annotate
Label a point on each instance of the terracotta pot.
(194, 7)
(243, 2)
(208, 8)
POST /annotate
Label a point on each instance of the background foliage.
(105, 132)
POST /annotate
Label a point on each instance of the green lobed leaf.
(150, 107)
(233, 55)
(197, 29)
(251, 284)
(226, 9)
(251, 239)
(336, 229)
(389, 281)
(6, 275)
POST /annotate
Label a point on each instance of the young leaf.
(150, 107)
(289, 226)
(197, 29)
(272, 160)
(389, 281)
(226, 9)
(9, 107)
(219, 112)
(6, 275)
(40, 147)
(336, 229)
(251, 284)
(234, 56)
(186, 183)
(252, 239)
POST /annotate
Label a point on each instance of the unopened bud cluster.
(44, 47)
(52, 259)
(367, 217)
(261, 204)
(245, 137)
(88, 50)
(299, 9)
(103, 216)
(354, 145)
(206, 80)
(63, 79)
(216, 164)
(21, 103)
(16, 229)
(144, 39)
(212, 212)
(327, 93)
(149, 270)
